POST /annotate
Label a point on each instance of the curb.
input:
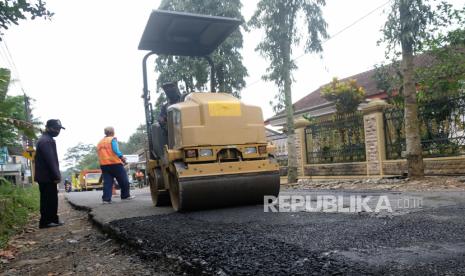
(104, 227)
(165, 261)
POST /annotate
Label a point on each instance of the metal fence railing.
(338, 139)
(442, 128)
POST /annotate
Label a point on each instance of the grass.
(16, 206)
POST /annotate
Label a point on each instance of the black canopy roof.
(185, 34)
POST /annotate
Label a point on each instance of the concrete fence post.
(375, 146)
(300, 125)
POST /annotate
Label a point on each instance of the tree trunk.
(220, 78)
(291, 147)
(412, 127)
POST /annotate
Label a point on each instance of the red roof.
(364, 79)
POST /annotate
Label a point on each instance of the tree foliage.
(12, 11)
(75, 155)
(5, 77)
(421, 21)
(161, 100)
(443, 76)
(389, 79)
(280, 20)
(13, 121)
(439, 78)
(11, 108)
(346, 95)
(193, 73)
(80, 157)
(137, 141)
(89, 161)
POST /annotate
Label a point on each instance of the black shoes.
(51, 224)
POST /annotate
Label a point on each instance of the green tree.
(389, 79)
(89, 161)
(279, 19)
(137, 141)
(76, 154)
(410, 23)
(345, 95)
(161, 100)
(193, 73)
(12, 115)
(11, 12)
(5, 77)
(442, 77)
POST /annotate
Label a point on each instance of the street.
(246, 240)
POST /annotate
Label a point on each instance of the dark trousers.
(48, 203)
(111, 172)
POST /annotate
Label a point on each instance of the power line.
(7, 62)
(333, 36)
(14, 68)
(4, 56)
(349, 26)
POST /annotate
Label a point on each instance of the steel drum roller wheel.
(174, 192)
(159, 197)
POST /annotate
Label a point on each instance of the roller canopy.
(185, 34)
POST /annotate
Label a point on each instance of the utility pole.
(29, 142)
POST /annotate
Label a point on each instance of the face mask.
(54, 132)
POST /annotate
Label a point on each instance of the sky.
(83, 66)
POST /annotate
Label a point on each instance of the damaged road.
(247, 240)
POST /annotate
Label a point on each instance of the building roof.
(314, 100)
(364, 79)
(273, 134)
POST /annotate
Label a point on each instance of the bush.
(16, 206)
(346, 95)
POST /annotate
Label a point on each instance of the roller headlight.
(205, 152)
(250, 150)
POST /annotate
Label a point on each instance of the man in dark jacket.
(47, 174)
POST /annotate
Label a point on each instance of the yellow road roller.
(206, 150)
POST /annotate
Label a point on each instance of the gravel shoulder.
(77, 248)
(430, 183)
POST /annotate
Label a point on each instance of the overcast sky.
(83, 66)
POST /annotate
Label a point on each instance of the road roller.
(207, 149)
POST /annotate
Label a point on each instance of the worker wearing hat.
(47, 174)
(111, 162)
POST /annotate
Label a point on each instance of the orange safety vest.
(105, 153)
(139, 175)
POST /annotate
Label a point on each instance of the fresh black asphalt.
(248, 241)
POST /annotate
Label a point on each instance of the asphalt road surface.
(425, 239)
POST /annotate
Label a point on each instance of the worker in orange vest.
(111, 162)
(140, 178)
